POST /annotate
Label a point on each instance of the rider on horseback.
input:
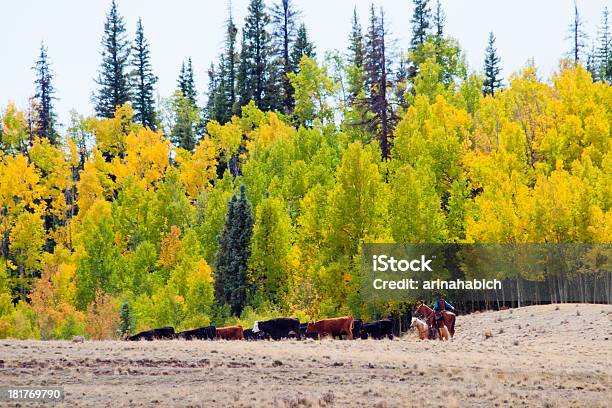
(440, 308)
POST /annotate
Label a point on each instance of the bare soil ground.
(537, 356)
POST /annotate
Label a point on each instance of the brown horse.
(447, 317)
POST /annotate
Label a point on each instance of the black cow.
(278, 328)
(357, 328)
(249, 334)
(377, 329)
(163, 333)
(303, 327)
(203, 333)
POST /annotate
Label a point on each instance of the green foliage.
(99, 255)
(312, 90)
(270, 246)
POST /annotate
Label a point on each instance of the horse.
(448, 318)
(421, 326)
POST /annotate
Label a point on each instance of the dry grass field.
(536, 356)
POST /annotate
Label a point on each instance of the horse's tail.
(451, 326)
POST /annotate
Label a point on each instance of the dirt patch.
(533, 356)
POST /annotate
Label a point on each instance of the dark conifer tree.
(229, 73)
(143, 81)
(113, 81)
(186, 83)
(284, 32)
(44, 118)
(421, 23)
(232, 258)
(222, 83)
(356, 42)
(126, 324)
(186, 113)
(211, 109)
(355, 58)
(255, 56)
(377, 82)
(402, 75)
(577, 36)
(439, 20)
(591, 63)
(603, 57)
(492, 81)
(183, 133)
(302, 47)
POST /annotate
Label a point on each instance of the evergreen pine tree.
(233, 255)
(577, 36)
(254, 57)
(125, 319)
(186, 121)
(492, 80)
(229, 72)
(355, 58)
(603, 55)
(421, 23)
(186, 112)
(210, 110)
(186, 82)
(44, 119)
(284, 33)
(439, 20)
(591, 63)
(113, 81)
(377, 83)
(143, 80)
(302, 47)
(356, 42)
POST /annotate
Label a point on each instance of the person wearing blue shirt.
(440, 307)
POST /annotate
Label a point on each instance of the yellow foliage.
(57, 175)
(171, 248)
(228, 136)
(111, 133)
(14, 127)
(51, 298)
(199, 168)
(19, 188)
(269, 133)
(146, 158)
(102, 317)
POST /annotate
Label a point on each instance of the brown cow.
(334, 327)
(230, 333)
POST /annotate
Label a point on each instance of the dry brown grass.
(532, 360)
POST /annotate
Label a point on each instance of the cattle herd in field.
(280, 328)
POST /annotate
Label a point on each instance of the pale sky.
(72, 31)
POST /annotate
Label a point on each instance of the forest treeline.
(256, 205)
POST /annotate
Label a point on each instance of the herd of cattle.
(280, 328)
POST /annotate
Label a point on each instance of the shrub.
(102, 317)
